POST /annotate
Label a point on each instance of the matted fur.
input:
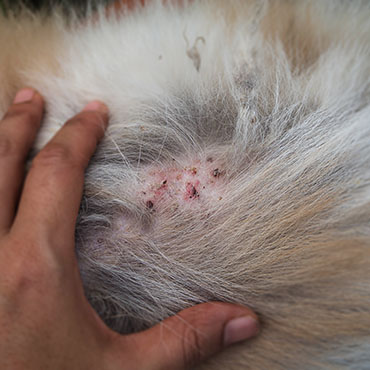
(276, 96)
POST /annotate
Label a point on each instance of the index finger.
(53, 188)
(18, 130)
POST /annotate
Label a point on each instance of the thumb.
(193, 335)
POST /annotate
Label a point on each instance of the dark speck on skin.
(216, 173)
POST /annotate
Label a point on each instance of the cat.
(236, 166)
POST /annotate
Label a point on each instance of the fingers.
(18, 129)
(192, 336)
(53, 188)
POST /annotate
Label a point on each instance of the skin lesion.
(191, 191)
(188, 185)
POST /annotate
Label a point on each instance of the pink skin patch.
(200, 182)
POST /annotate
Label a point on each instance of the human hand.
(45, 319)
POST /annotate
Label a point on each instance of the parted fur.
(276, 96)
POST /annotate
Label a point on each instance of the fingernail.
(240, 329)
(24, 95)
(96, 105)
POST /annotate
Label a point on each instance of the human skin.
(45, 319)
